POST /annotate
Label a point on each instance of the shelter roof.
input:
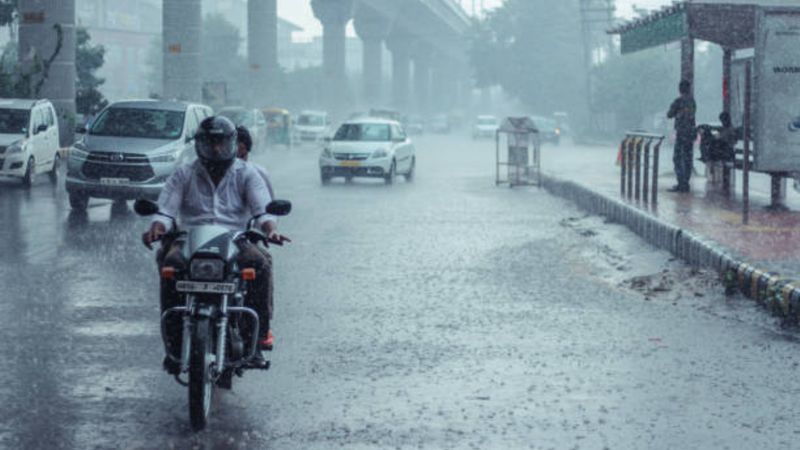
(728, 23)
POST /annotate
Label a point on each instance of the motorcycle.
(213, 290)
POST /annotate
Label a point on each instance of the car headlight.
(16, 147)
(207, 269)
(326, 152)
(78, 151)
(170, 156)
(380, 153)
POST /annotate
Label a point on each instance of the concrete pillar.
(262, 50)
(422, 79)
(182, 23)
(334, 16)
(400, 47)
(38, 39)
(373, 28)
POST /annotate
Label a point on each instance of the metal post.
(497, 158)
(631, 150)
(622, 165)
(656, 151)
(746, 127)
(637, 192)
(646, 171)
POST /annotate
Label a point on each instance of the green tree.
(533, 50)
(8, 12)
(88, 59)
(221, 60)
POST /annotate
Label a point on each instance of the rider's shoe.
(171, 367)
(258, 361)
(268, 342)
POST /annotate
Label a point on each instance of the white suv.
(377, 148)
(29, 139)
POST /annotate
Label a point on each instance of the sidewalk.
(768, 244)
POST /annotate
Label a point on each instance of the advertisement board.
(777, 91)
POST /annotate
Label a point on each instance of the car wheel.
(78, 201)
(325, 179)
(55, 172)
(30, 173)
(410, 175)
(389, 177)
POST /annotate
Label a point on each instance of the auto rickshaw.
(279, 126)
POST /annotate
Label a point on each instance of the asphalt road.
(443, 313)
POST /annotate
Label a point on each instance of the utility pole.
(597, 16)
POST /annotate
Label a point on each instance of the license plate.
(350, 163)
(205, 288)
(114, 181)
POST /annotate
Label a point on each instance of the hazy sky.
(299, 11)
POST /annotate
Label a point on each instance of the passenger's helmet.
(215, 141)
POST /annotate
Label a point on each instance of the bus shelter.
(520, 164)
(761, 70)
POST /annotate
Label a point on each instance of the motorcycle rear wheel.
(200, 382)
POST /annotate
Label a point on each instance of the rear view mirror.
(80, 129)
(278, 207)
(41, 128)
(145, 207)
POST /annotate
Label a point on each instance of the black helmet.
(215, 141)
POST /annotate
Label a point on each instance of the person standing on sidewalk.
(683, 110)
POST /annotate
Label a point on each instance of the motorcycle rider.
(244, 142)
(216, 189)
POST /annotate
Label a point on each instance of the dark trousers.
(259, 296)
(682, 159)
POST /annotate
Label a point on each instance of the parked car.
(439, 124)
(368, 147)
(485, 127)
(130, 150)
(29, 140)
(252, 119)
(311, 126)
(548, 129)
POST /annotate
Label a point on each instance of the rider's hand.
(155, 233)
(277, 238)
(271, 230)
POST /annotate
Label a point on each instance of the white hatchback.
(368, 147)
(29, 139)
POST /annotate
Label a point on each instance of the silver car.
(130, 150)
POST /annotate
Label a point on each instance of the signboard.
(661, 31)
(777, 90)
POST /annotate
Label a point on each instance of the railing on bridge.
(635, 161)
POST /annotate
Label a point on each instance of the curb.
(778, 294)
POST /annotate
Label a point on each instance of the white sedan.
(368, 147)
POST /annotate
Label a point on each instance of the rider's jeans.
(259, 296)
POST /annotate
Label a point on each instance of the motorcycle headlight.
(380, 153)
(170, 156)
(326, 152)
(207, 269)
(16, 147)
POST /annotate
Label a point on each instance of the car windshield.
(368, 132)
(139, 123)
(14, 121)
(487, 121)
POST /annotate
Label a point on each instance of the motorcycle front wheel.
(200, 382)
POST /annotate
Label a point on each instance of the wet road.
(444, 313)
